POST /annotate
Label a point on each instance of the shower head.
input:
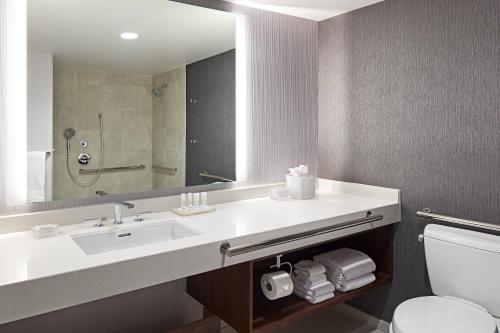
(69, 133)
(158, 91)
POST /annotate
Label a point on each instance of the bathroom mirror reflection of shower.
(128, 96)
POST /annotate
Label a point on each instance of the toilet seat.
(435, 314)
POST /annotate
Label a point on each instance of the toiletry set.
(300, 185)
(193, 204)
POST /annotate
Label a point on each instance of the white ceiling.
(85, 34)
(317, 10)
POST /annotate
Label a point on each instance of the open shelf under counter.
(289, 309)
(233, 293)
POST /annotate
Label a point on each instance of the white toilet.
(464, 271)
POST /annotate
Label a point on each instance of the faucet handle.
(98, 221)
(140, 216)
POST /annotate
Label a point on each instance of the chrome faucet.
(118, 211)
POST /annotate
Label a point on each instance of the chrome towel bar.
(113, 169)
(229, 251)
(428, 214)
(167, 169)
(207, 175)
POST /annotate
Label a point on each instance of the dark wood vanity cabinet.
(233, 293)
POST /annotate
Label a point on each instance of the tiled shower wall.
(169, 129)
(127, 106)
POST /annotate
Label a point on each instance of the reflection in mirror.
(128, 96)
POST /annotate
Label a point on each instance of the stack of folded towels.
(310, 282)
(347, 269)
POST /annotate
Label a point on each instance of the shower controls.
(193, 141)
(84, 158)
(84, 143)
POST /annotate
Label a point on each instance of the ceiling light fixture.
(129, 35)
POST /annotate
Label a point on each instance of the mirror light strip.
(241, 99)
(13, 92)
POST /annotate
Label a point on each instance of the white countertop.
(28, 264)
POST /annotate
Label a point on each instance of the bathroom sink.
(126, 237)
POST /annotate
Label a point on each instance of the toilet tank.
(464, 264)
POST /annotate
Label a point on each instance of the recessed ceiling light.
(129, 35)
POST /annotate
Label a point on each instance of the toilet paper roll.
(276, 285)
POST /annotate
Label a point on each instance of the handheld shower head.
(69, 133)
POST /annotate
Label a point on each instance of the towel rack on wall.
(167, 169)
(428, 214)
(113, 169)
(229, 251)
(207, 175)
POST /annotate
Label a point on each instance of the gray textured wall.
(155, 309)
(409, 98)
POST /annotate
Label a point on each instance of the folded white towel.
(355, 283)
(312, 299)
(312, 280)
(308, 268)
(315, 291)
(345, 264)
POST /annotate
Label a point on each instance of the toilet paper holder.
(279, 263)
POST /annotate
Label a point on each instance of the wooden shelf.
(269, 316)
(233, 293)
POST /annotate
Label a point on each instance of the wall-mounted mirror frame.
(17, 64)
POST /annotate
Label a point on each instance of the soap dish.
(280, 193)
(45, 230)
(193, 211)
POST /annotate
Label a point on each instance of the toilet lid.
(439, 314)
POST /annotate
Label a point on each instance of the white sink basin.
(126, 237)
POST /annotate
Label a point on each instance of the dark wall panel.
(211, 118)
(409, 98)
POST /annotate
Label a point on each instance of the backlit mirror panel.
(128, 96)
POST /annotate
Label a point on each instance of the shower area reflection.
(133, 118)
(120, 115)
(84, 157)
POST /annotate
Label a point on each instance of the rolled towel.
(355, 283)
(312, 299)
(346, 264)
(317, 290)
(308, 268)
(311, 281)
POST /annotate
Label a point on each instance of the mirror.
(128, 96)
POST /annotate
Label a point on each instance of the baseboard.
(363, 317)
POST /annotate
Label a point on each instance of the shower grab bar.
(159, 167)
(227, 250)
(428, 214)
(207, 175)
(113, 169)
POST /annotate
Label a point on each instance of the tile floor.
(330, 320)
